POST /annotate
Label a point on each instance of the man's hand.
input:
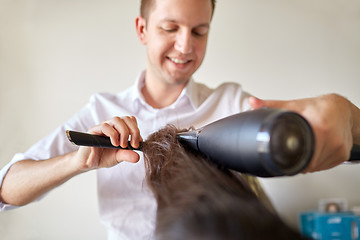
(42, 176)
(118, 129)
(335, 122)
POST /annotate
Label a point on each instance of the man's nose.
(183, 42)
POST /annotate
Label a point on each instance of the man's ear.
(140, 24)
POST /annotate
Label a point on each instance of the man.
(175, 33)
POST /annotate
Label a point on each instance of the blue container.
(330, 226)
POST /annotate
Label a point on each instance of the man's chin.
(179, 80)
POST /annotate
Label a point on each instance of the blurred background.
(55, 54)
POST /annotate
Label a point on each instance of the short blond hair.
(147, 5)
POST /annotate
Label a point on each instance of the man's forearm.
(28, 180)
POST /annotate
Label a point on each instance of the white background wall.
(55, 54)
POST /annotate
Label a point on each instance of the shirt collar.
(189, 92)
(137, 97)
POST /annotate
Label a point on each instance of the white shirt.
(127, 206)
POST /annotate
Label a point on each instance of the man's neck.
(160, 95)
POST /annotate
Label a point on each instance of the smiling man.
(175, 33)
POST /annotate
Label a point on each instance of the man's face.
(176, 35)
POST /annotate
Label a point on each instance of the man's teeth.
(178, 61)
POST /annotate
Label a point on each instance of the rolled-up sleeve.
(54, 144)
(3, 172)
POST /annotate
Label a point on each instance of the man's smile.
(178, 61)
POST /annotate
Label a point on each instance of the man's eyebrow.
(206, 25)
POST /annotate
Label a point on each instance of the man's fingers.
(106, 129)
(133, 130)
(122, 128)
(127, 155)
(119, 129)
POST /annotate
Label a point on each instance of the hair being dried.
(199, 200)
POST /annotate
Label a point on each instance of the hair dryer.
(265, 142)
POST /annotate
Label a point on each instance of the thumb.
(256, 103)
(127, 156)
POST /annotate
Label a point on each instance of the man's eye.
(169, 29)
(200, 32)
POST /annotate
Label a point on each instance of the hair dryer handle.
(355, 153)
